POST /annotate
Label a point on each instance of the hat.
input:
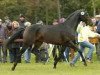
(0, 20)
(21, 15)
(97, 16)
(6, 17)
(40, 22)
(27, 24)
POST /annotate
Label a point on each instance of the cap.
(6, 17)
(27, 24)
(97, 16)
(21, 15)
(0, 20)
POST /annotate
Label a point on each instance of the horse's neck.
(72, 22)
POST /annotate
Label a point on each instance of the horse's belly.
(54, 38)
(53, 41)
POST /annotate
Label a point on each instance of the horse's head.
(84, 16)
(74, 19)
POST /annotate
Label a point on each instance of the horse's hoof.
(44, 63)
(85, 64)
(72, 65)
(13, 69)
(54, 67)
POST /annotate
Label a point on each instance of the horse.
(63, 34)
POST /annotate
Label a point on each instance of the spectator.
(2, 38)
(66, 54)
(22, 21)
(80, 26)
(15, 46)
(9, 32)
(98, 23)
(55, 22)
(93, 21)
(23, 24)
(7, 21)
(27, 54)
(98, 31)
(40, 22)
(83, 40)
(27, 24)
(62, 20)
(44, 52)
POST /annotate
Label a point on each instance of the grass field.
(63, 68)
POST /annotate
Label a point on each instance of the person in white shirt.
(83, 40)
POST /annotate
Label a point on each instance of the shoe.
(11, 61)
(4, 61)
(72, 65)
(27, 61)
(88, 60)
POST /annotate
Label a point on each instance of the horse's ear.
(82, 13)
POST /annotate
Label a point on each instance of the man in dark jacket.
(98, 31)
(2, 38)
(22, 21)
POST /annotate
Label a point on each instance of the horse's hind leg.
(54, 51)
(79, 51)
(24, 47)
(36, 51)
(60, 55)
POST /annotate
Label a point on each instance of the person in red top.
(55, 22)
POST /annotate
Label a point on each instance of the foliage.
(46, 10)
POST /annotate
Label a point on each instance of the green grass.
(63, 68)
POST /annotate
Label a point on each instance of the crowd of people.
(8, 28)
(84, 31)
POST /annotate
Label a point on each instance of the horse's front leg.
(36, 51)
(56, 60)
(83, 59)
(18, 56)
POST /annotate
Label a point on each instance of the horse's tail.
(13, 37)
(9, 41)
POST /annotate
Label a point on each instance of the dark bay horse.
(62, 34)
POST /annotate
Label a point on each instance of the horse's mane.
(70, 20)
(74, 14)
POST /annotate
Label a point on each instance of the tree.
(46, 10)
